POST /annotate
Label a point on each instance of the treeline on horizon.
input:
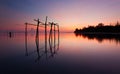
(100, 28)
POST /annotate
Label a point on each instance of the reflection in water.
(101, 37)
(77, 55)
(37, 46)
(53, 44)
(10, 34)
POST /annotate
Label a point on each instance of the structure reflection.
(53, 41)
(47, 51)
(10, 34)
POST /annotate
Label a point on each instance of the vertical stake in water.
(54, 37)
(51, 33)
(46, 35)
(58, 36)
(26, 30)
(37, 30)
(26, 39)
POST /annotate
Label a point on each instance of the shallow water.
(68, 53)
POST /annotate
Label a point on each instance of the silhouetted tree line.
(100, 28)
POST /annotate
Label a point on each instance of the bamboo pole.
(26, 53)
(46, 36)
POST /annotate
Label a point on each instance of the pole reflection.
(53, 40)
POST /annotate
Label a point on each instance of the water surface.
(68, 53)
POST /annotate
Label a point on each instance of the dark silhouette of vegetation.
(100, 37)
(100, 28)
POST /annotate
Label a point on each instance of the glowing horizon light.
(69, 14)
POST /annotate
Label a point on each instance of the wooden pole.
(46, 36)
(51, 33)
(54, 37)
(51, 40)
(26, 53)
(58, 36)
(37, 30)
(26, 29)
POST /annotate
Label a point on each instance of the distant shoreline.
(100, 29)
(98, 33)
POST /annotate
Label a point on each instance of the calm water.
(68, 53)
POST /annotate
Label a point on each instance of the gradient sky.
(70, 14)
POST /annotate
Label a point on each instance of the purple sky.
(68, 13)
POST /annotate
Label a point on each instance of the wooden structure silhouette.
(53, 47)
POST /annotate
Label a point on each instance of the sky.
(69, 14)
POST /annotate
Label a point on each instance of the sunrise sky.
(69, 14)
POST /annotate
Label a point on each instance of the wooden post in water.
(26, 53)
(51, 32)
(37, 30)
(46, 36)
(58, 36)
(53, 28)
(26, 29)
(54, 37)
(51, 39)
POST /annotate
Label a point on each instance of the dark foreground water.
(68, 53)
